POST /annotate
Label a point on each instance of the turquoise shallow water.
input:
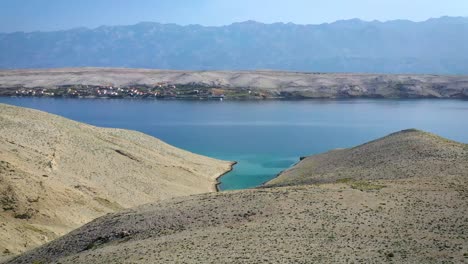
(253, 170)
(264, 137)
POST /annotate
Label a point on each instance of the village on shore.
(156, 91)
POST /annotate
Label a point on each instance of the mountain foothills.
(172, 84)
(57, 174)
(433, 46)
(402, 198)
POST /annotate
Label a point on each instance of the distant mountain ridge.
(437, 45)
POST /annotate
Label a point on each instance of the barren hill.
(57, 174)
(270, 84)
(408, 218)
(405, 154)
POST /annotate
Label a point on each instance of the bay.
(264, 137)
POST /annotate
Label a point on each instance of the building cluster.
(33, 92)
(158, 90)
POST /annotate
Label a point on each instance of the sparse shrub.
(96, 243)
(360, 185)
(8, 199)
(366, 186)
(344, 180)
(28, 214)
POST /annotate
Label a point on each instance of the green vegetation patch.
(366, 186)
(361, 185)
(344, 180)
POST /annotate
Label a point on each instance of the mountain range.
(438, 46)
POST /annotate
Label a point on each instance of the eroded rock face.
(57, 174)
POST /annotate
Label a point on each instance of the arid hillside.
(406, 154)
(263, 84)
(57, 174)
(415, 215)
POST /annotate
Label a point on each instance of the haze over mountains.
(433, 46)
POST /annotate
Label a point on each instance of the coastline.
(263, 185)
(217, 179)
(253, 99)
(226, 85)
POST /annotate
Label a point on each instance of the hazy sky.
(46, 15)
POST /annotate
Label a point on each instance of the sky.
(50, 15)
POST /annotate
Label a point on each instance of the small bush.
(366, 186)
(344, 180)
(360, 185)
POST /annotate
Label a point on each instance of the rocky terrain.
(410, 209)
(57, 174)
(408, 153)
(237, 84)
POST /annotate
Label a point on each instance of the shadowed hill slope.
(403, 219)
(57, 174)
(405, 154)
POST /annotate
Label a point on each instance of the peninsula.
(219, 85)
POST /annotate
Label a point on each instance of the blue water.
(264, 137)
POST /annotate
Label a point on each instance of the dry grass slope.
(404, 218)
(57, 174)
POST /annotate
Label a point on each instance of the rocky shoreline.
(218, 179)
